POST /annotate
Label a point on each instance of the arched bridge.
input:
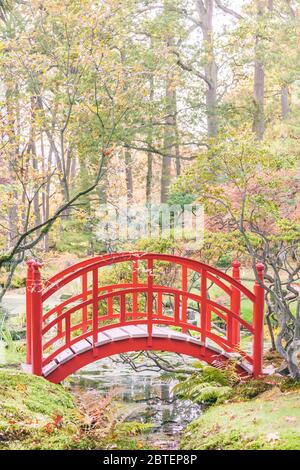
(125, 302)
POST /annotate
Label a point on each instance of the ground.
(269, 422)
(36, 414)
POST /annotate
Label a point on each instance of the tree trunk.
(205, 10)
(129, 178)
(13, 152)
(32, 151)
(177, 147)
(149, 143)
(168, 141)
(259, 125)
(46, 192)
(285, 105)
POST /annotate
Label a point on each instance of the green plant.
(209, 386)
(252, 389)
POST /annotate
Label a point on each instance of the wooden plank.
(173, 334)
(192, 339)
(49, 368)
(134, 331)
(117, 334)
(101, 340)
(81, 346)
(64, 356)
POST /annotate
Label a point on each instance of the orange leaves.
(56, 423)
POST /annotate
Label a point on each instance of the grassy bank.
(35, 414)
(271, 421)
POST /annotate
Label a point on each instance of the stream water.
(145, 397)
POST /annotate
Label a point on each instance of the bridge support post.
(29, 282)
(258, 322)
(36, 320)
(235, 306)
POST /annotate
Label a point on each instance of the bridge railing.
(96, 308)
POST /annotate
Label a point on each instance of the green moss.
(251, 389)
(36, 414)
(289, 384)
(269, 422)
(129, 436)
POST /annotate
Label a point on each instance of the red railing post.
(36, 320)
(95, 314)
(258, 322)
(135, 281)
(203, 308)
(235, 305)
(29, 282)
(84, 298)
(150, 300)
(184, 283)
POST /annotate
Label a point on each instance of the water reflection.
(147, 398)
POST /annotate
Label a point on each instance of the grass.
(270, 422)
(36, 414)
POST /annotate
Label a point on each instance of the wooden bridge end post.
(235, 305)
(29, 282)
(36, 320)
(258, 322)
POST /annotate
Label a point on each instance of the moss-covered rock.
(36, 414)
(272, 421)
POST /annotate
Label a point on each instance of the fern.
(208, 386)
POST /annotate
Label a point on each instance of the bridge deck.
(132, 332)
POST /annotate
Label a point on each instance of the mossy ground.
(36, 414)
(270, 422)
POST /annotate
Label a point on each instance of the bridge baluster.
(95, 306)
(203, 305)
(159, 304)
(36, 320)
(68, 330)
(110, 309)
(176, 308)
(84, 298)
(122, 309)
(258, 322)
(59, 323)
(184, 282)
(150, 300)
(135, 281)
(235, 306)
(29, 284)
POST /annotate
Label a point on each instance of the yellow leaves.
(21, 387)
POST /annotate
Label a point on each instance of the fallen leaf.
(290, 419)
(272, 437)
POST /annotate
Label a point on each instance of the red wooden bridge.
(125, 302)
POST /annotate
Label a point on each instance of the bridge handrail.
(195, 265)
(163, 289)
